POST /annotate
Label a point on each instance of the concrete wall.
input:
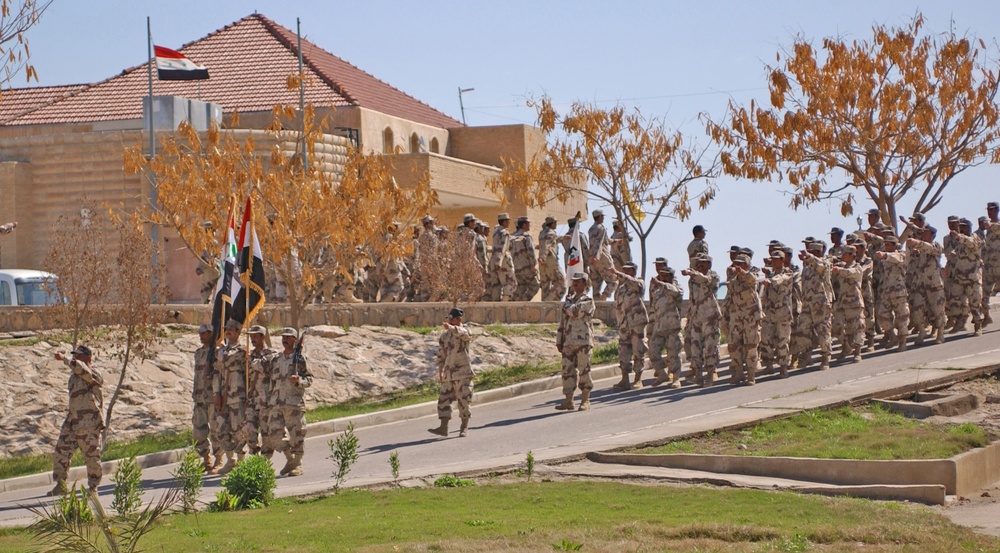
(18, 319)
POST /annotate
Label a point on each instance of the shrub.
(188, 476)
(344, 452)
(451, 481)
(394, 465)
(128, 487)
(250, 485)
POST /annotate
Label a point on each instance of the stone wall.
(20, 319)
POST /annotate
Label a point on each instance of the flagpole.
(246, 295)
(154, 231)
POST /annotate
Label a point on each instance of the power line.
(639, 98)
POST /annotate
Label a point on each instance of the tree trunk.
(118, 388)
(642, 253)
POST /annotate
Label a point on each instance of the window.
(434, 146)
(414, 144)
(4, 293)
(388, 141)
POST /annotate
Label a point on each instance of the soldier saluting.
(454, 373)
(574, 340)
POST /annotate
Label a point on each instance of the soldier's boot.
(289, 463)
(870, 343)
(901, 344)
(219, 461)
(978, 326)
(230, 463)
(59, 490)
(240, 456)
(736, 375)
(825, 363)
(956, 326)
(637, 380)
(709, 378)
(585, 400)
(463, 431)
(661, 377)
(623, 384)
(567, 404)
(842, 354)
(675, 379)
(693, 376)
(768, 367)
(857, 354)
(751, 376)
(297, 468)
(888, 339)
(206, 463)
(783, 371)
(348, 295)
(987, 320)
(440, 430)
(939, 337)
(921, 334)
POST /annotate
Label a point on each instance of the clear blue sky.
(670, 59)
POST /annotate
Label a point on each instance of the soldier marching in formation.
(525, 260)
(286, 421)
(574, 340)
(204, 418)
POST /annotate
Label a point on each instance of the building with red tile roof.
(60, 143)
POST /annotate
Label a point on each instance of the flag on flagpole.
(224, 292)
(250, 298)
(574, 263)
(173, 66)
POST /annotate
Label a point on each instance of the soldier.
(930, 307)
(632, 318)
(776, 306)
(814, 323)
(550, 273)
(621, 251)
(454, 373)
(991, 257)
(968, 273)
(501, 267)
(525, 262)
(567, 238)
(286, 405)
(836, 246)
(744, 322)
(426, 246)
(574, 340)
(601, 262)
(703, 321)
(665, 300)
(893, 311)
(259, 394)
(867, 290)
(231, 396)
(204, 418)
(957, 318)
(849, 304)
(83, 423)
(483, 256)
(697, 245)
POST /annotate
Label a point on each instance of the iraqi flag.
(173, 66)
(224, 289)
(574, 263)
(250, 298)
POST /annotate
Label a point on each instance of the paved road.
(502, 433)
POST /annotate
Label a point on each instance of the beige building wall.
(15, 201)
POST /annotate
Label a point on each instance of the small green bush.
(451, 481)
(128, 487)
(250, 485)
(74, 507)
(188, 476)
(343, 452)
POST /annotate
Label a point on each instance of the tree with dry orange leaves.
(314, 220)
(633, 163)
(902, 113)
(16, 17)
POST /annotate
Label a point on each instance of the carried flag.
(574, 264)
(173, 66)
(223, 303)
(250, 298)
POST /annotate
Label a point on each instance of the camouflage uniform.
(601, 262)
(893, 311)
(232, 385)
(969, 276)
(930, 304)
(426, 247)
(261, 367)
(776, 327)
(868, 295)
(813, 326)
(552, 279)
(621, 252)
(286, 405)
(576, 338)
(743, 337)
(849, 307)
(695, 247)
(567, 240)
(455, 368)
(501, 268)
(703, 325)
(525, 266)
(632, 318)
(665, 330)
(392, 280)
(482, 255)
(991, 269)
(957, 315)
(82, 426)
(204, 419)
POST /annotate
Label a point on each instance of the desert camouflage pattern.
(525, 261)
(286, 411)
(849, 307)
(575, 338)
(621, 251)
(232, 359)
(703, 322)
(392, 280)
(927, 302)
(552, 280)
(204, 419)
(694, 248)
(665, 328)
(601, 263)
(258, 410)
(991, 266)
(814, 324)
(502, 282)
(968, 269)
(777, 311)
(893, 310)
(83, 424)
(630, 312)
(455, 368)
(743, 338)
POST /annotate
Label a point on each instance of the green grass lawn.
(596, 516)
(867, 432)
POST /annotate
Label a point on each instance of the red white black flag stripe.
(250, 263)
(173, 66)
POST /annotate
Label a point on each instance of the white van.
(27, 287)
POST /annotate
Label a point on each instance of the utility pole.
(460, 104)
